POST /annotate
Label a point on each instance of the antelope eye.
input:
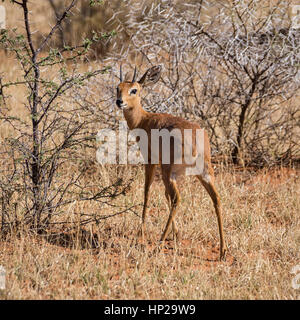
(133, 91)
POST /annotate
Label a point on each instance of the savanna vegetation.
(69, 225)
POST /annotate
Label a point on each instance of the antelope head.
(128, 92)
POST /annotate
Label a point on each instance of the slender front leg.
(149, 175)
(172, 190)
(174, 227)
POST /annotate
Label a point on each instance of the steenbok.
(129, 100)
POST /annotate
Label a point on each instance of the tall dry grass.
(261, 221)
(106, 261)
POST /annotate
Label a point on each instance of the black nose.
(119, 103)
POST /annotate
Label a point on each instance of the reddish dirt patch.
(190, 255)
(205, 255)
(272, 177)
(194, 255)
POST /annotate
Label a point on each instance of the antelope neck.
(134, 116)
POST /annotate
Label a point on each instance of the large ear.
(151, 76)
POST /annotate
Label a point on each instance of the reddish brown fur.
(137, 117)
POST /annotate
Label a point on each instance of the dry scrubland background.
(84, 254)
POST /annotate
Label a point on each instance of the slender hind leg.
(208, 183)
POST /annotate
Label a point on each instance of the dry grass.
(261, 212)
(261, 223)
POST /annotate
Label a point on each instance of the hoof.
(223, 252)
